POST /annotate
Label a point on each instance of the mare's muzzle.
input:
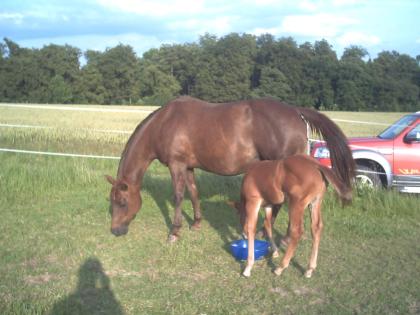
(121, 230)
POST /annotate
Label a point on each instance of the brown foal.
(301, 181)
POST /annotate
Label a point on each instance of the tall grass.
(57, 255)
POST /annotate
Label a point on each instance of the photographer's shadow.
(93, 294)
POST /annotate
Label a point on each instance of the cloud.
(15, 18)
(156, 8)
(358, 38)
(322, 25)
(140, 43)
(341, 3)
(218, 26)
(308, 5)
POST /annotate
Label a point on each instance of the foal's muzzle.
(121, 230)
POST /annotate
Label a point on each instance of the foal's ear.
(110, 180)
(122, 186)
(233, 204)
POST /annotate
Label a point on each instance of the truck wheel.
(367, 177)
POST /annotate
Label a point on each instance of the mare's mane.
(134, 134)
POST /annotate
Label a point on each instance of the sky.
(144, 24)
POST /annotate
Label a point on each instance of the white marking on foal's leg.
(279, 271)
(247, 271)
(309, 272)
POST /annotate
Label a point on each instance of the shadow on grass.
(217, 213)
(93, 294)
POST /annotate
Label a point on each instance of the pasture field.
(57, 255)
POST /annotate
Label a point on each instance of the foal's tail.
(340, 154)
(343, 191)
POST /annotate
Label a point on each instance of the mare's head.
(125, 203)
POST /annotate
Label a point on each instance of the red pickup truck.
(391, 159)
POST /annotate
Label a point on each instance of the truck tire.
(367, 177)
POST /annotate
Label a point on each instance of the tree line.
(232, 67)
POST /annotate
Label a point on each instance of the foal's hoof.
(278, 271)
(308, 273)
(247, 272)
(172, 238)
(285, 241)
(275, 254)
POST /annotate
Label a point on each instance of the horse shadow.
(217, 213)
(220, 216)
(93, 294)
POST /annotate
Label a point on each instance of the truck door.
(407, 158)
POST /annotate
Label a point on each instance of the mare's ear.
(110, 180)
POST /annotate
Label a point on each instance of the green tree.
(157, 87)
(353, 85)
(226, 67)
(272, 83)
(119, 68)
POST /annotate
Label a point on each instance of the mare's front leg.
(192, 189)
(179, 177)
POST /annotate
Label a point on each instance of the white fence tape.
(60, 154)
(109, 110)
(49, 127)
(76, 108)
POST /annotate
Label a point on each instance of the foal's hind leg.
(179, 175)
(268, 224)
(296, 230)
(316, 229)
(192, 189)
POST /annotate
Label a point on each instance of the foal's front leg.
(252, 208)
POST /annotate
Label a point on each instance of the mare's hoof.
(196, 226)
(172, 238)
(278, 271)
(260, 234)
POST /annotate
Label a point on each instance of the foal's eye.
(123, 203)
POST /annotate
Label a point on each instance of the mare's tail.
(341, 157)
(344, 191)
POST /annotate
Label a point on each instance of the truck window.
(415, 133)
(395, 129)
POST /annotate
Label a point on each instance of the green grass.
(57, 255)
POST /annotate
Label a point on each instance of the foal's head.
(125, 203)
(240, 209)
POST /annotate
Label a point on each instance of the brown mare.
(301, 181)
(224, 139)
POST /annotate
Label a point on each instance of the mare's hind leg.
(192, 189)
(268, 223)
(316, 229)
(179, 177)
(296, 230)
